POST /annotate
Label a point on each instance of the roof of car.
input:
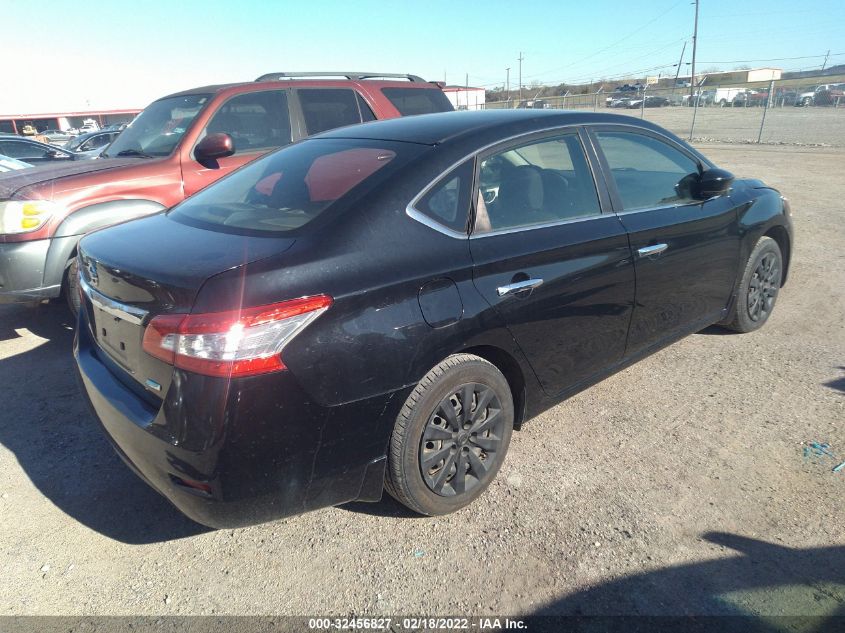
(302, 81)
(435, 129)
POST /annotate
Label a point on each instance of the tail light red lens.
(241, 342)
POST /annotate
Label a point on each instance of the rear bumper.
(240, 452)
(22, 266)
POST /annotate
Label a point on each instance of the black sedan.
(33, 152)
(379, 306)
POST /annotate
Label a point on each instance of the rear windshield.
(286, 190)
(418, 100)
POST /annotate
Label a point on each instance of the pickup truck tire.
(71, 286)
(723, 103)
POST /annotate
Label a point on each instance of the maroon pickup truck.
(175, 147)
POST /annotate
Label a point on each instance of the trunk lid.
(135, 271)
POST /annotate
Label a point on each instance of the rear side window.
(290, 188)
(447, 202)
(328, 108)
(24, 151)
(255, 121)
(418, 100)
(537, 183)
(647, 171)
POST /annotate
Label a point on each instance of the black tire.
(758, 289)
(429, 444)
(71, 287)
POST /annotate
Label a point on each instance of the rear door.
(551, 258)
(258, 122)
(686, 251)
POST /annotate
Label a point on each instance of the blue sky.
(79, 54)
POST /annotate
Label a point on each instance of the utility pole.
(825, 59)
(508, 83)
(680, 63)
(520, 74)
(694, 43)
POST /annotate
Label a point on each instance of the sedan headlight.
(24, 216)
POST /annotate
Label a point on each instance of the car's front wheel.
(759, 287)
(451, 436)
(71, 287)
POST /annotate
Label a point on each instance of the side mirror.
(214, 146)
(713, 182)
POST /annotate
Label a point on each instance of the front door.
(258, 122)
(556, 268)
(686, 251)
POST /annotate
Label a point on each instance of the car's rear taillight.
(241, 342)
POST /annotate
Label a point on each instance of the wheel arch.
(96, 216)
(512, 372)
(780, 235)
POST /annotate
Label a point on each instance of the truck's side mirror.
(713, 182)
(214, 146)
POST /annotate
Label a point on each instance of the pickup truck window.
(255, 121)
(328, 108)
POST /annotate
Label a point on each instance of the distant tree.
(742, 67)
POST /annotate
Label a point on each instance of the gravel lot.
(679, 486)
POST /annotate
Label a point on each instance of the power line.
(608, 47)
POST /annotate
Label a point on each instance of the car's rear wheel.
(71, 287)
(451, 436)
(759, 287)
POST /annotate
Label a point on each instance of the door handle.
(648, 251)
(528, 284)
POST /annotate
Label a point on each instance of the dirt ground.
(686, 484)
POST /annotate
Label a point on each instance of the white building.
(464, 98)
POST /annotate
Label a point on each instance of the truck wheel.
(723, 103)
(71, 286)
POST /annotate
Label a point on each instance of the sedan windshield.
(158, 129)
(291, 187)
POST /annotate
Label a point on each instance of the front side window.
(255, 121)
(328, 108)
(648, 172)
(288, 189)
(159, 128)
(26, 151)
(540, 182)
(418, 100)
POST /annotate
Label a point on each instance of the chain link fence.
(797, 111)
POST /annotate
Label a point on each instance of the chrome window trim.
(417, 215)
(422, 218)
(542, 225)
(117, 309)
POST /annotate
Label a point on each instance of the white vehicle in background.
(725, 96)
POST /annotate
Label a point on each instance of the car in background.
(619, 101)
(258, 352)
(750, 98)
(178, 145)
(91, 141)
(54, 137)
(699, 98)
(648, 101)
(535, 104)
(9, 164)
(32, 151)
